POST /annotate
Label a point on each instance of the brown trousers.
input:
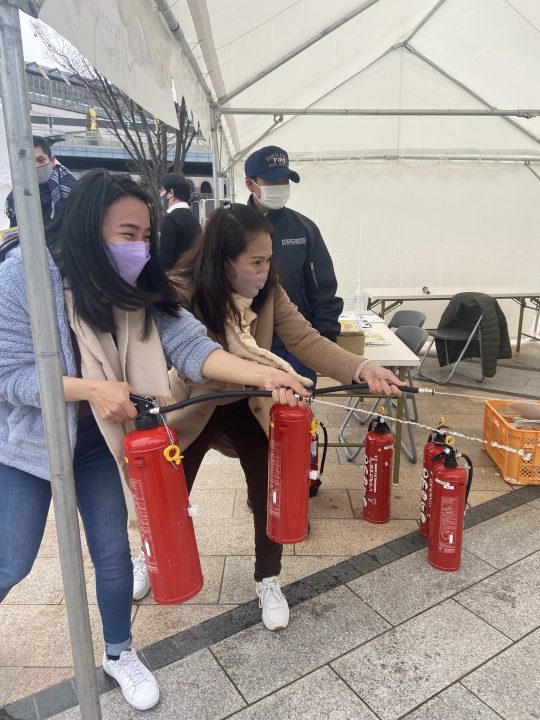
(236, 421)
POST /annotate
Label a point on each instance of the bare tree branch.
(147, 141)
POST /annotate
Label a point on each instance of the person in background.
(179, 228)
(229, 283)
(54, 180)
(305, 267)
(120, 327)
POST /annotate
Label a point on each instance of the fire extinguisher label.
(448, 523)
(274, 479)
(144, 523)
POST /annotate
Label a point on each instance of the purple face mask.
(128, 258)
(246, 284)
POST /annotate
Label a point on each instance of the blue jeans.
(24, 506)
(300, 368)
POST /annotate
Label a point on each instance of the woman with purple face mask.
(227, 281)
(120, 327)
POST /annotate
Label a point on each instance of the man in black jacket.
(304, 263)
(179, 228)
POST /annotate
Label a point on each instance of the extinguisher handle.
(469, 475)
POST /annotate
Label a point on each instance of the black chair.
(407, 317)
(443, 336)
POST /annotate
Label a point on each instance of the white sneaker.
(137, 683)
(275, 609)
(141, 579)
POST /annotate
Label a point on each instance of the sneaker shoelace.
(271, 595)
(131, 668)
(139, 569)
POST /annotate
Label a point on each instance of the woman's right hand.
(111, 401)
(110, 398)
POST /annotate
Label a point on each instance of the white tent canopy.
(449, 198)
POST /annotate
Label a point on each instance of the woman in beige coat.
(228, 282)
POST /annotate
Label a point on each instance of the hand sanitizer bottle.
(359, 299)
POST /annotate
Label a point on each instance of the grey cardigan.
(22, 438)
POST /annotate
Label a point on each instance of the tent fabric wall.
(398, 221)
(410, 224)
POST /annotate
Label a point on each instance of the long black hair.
(227, 235)
(76, 244)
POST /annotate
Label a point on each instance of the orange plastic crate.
(514, 468)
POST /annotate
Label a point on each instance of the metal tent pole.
(215, 155)
(46, 345)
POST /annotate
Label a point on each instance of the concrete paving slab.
(396, 672)
(404, 504)
(8, 680)
(29, 626)
(212, 570)
(510, 682)
(239, 586)
(454, 702)
(330, 503)
(535, 504)
(195, 687)
(155, 622)
(508, 600)
(217, 536)
(32, 680)
(506, 538)
(350, 537)
(260, 662)
(43, 586)
(319, 695)
(410, 585)
(213, 502)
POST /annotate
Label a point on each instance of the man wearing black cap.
(305, 266)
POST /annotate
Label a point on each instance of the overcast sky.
(32, 47)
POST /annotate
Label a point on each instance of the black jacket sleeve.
(178, 231)
(321, 285)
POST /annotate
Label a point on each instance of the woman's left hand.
(381, 380)
(287, 396)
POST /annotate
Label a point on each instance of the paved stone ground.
(374, 632)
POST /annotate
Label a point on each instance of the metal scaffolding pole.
(46, 345)
(331, 112)
(215, 156)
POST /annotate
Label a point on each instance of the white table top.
(445, 293)
(396, 354)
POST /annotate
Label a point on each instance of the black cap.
(270, 163)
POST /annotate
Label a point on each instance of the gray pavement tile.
(385, 592)
(52, 700)
(373, 559)
(506, 538)
(455, 702)
(319, 695)
(508, 600)
(260, 662)
(396, 672)
(24, 709)
(491, 509)
(195, 687)
(535, 504)
(510, 682)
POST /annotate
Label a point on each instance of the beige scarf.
(139, 362)
(241, 342)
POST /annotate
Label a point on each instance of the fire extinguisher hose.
(360, 388)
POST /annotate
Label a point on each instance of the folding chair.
(413, 318)
(446, 335)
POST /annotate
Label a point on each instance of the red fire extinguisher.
(378, 471)
(316, 472)
(161, 500)
(288, 473)
(451, 485)
(433, 447)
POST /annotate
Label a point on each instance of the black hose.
(356, 388)
(325, 448)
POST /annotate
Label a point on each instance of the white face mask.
(44, 172)
(274, 197)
